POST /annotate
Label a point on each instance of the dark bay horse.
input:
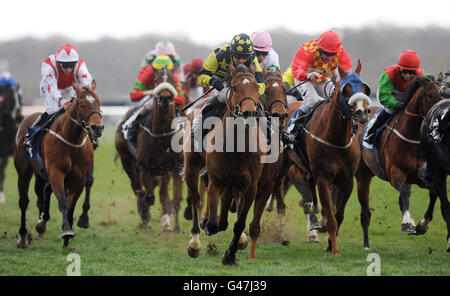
(400, 154)
(67, 155)
(275, 106)
(331, 150)
(436, 149)
(233, 168)
(154, 162)
(10, 117)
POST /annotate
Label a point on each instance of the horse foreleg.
(177, 198)
(23, 184)
(255, 227)
(165, 203)
(440, 183)
(3, 164)
(398, 182)
(212, 224)
(363, 179)
(239, 238)
(39, 187)
(83, 220)
(327, 207)
(56, 178)
(146, 198)
(191, 175)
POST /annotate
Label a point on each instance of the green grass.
(115, 245)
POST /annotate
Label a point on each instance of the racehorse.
(331, 151)
(399, 154)
(67, 155)
(153, 161)
(436, 151)
(275, 106)
(233, 175)
(10, 118)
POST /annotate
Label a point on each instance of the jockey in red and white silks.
(56, 84)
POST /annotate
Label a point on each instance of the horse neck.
(161, 121)
(69, 129)
(412, 118)
(332, 126)
(234, 155)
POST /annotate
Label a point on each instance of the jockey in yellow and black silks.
(215, 72)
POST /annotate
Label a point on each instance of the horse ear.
(342, 72)
(358, 68)
(76, 88)
(253, 69)
(232, 70)
(440, 78)
(94, 85)
(337, 87)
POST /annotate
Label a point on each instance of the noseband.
(269, 109)
(83, 122)
(236, 110)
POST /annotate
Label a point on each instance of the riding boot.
(40, 122)
(130, 126)
(299, 120)
(379, 121)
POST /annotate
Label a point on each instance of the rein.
(235, 110)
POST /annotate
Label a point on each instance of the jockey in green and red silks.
(392, 89)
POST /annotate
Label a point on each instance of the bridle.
(82, 123)
(235, 108)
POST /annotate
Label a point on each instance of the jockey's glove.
(216, 83)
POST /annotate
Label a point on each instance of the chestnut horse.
(400, 154)
(436, 150)
(233, 175)
(331, 151)
(154, 162)
(67, 155)
(10, 117)
(275, 106)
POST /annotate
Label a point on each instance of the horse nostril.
(97, 130)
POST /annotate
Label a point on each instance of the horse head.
(165, 88)
(8, 103)
(353, 94)
(85, 110)
(423, 93)
(274, 99)
(242, 97)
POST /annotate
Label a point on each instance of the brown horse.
(400, 154)
(233, 168)
(271, 181)
(154, 161)
(67, 155)
(331, 151)
(10, 117)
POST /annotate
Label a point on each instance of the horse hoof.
(192, 252)
(243, 242)
(421, 228)
(313, 239)
(336, 254)
(188, 213)
(408, 227)
(366, 248)
(2, 197)
(211, 229)
(68, 234)
(22, 243)
(41, 226)
(228, 259)
(83, 222)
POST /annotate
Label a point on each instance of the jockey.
(215, 70)
(7, 79)
(445, 85)
(191, 70)
(392, 89)
(59, 71)
(267, 57)
(162, 48)
(315, 63)
(143, 91)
